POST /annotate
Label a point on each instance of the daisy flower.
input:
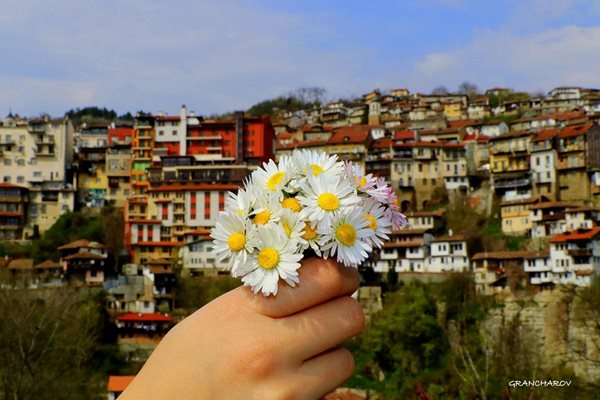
(365, 183)
(378, 223)
(274, 258)
(273, 177)
(310, 238)
(233, 237)
(347, 238)
(312, 163)
(325, 195)
(292, 225)
(240, 202)
(267, 208)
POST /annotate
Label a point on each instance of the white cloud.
(569, 55)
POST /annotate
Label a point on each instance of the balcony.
(207, 137)
(580, 252)
(41, 139)
(36, 128)
(542, 146)
(511, 183)
(571, 163)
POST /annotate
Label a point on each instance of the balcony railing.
(580, 252)
(512, 183)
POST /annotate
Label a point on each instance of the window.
(7, 162)
(420, 167)
(20, 179)
(37, 174)
(6, 179)
(174, 133)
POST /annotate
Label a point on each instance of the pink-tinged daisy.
(324, 196)
(378, 223)
(274, 258)
(348, 237)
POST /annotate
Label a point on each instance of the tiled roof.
(81, 243)
(411, 243)
(404, 134)
(574, 130)
(546, 134)
(581, 234)
(85, 255)
(21, 264)
(10, 185)
(447, 238)
(354, 134)
(529, 200)
(144, 317)
(48, 264)
(404, 232)
(118, 383)
(551, 204)
(144, 221)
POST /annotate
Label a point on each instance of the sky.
(225, 55)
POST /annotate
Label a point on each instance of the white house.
(575, 256)
(448, 254)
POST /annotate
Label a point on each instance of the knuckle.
(354, 314)
(256, 361)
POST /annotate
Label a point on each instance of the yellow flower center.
(292, 204)
(240, 211)
(317, 169)
(287, 229)
(262, 217)
(346, 234)
(362, 182)
(275, 180)
(328, 201)
(372, 221)
(268, 258)
(236, 241)
(309, 233)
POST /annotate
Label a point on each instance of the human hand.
(244, 346)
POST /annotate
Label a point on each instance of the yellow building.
(92, 182)
(515, 215)
(509, 163)
(454, 111)
(118, 166)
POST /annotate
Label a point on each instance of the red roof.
(144, 317)
(355, 134)
(10, 185)
(168, 118)
(483, 139)
(85, 255)
(82, 243)
(382, 143)
(10, 214)
(546, 134)
(574, 130)
(144, 221)
(406, 135)
(119, 383)
(576, 235)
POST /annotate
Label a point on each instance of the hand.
(246, 346)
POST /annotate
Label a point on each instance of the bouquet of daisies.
(307, 201)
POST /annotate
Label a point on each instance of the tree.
(46, 340)
(440, 90)
(468, 88)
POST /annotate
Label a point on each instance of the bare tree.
(46, 339)
(468, 88)
(440, 90)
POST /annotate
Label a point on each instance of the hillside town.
(531, 162)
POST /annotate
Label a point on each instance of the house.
(574, 256)
(515, 215)
(581, 217)
(495, 271)
(448, 254)
(548, 218)
(118, 158)
(538, 265)
(453, 163)
(428, 220)
(509, 162)
(14, 204)
(394, 251)
(197, 257)
(84, 262)
(117, 385)
(141, 328)
(130, 293)
(163, 277)
(543, 163)
(92, 181)
(573, 180)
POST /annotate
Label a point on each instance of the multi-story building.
(84, 262)
(142, 146)
(92, 181)
(548, 218)
(581, 217)
(118, 166)
(573, 180)
(497, 270)
(516, 217)
(448, 254)
(575, 256)
(14, 201)
(538, 265)
(453, 162)
(509, 162)
(37, 154)
(543, 163)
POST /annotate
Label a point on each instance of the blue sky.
(218, 56)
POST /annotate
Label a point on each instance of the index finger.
(320, 281)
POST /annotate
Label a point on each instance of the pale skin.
(246, 346)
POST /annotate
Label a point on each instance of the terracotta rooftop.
(581, 234)
(48, 264)
(551, 204)
(85, 255)
(448, 238)
(529, 200)
(352, 134)
(118, 383)
(546, 134)
(575, 130)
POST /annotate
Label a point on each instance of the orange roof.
(354, 133)
(580, 234)
(404, 135)
(199, 186)
(562, 116)
(551, 204)
(546, 134)
(10, 185)
(483, 139)
(447, 238)
(48, 264)
(574, 130)
(198, 232)
(463, 123)
(144, 221)
(382, 143)
(144, 317)
(119, 383)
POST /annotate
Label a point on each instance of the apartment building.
(92, 181)
(118, 166)
(14, 202)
